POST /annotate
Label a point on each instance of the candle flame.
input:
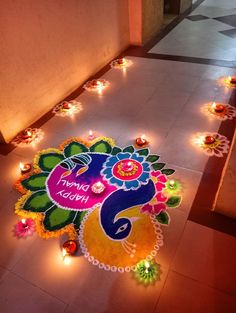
(143, 137)
(172, 183)
(23, 220)
(147, 264)
(28, 133)
(21, 166)
(90, 133)
(66, 258)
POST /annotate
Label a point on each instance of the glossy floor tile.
(202, 33)
(182, 294)
(207, 258)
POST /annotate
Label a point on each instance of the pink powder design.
(75, 193)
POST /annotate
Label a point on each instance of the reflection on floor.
(162, 99)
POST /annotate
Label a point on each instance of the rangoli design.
(113, 199)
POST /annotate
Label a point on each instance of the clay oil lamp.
(141, 141)
(69, 248)
(233, 80)
(172, 184)
(127, 166)
(217, 107)
(91, 135)
(27, 134)
(98, 188)
(66, 105)
(25, 168)
(121, 61)
(95, 83)
(208, 140)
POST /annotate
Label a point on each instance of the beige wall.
(145, 20)
(48, 48)
(135, 22)
(152, 16)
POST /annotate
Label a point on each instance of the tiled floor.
(209, 32)
(161, 99)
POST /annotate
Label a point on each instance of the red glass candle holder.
(25, 168)
(70, 247)
(98, 187)
(233, 80)
(66, 105)
(219, 108)
(141, 142)
(209, 140)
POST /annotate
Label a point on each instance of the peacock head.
(120, 229)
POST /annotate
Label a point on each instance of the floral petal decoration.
(35, 181)
(74, 148)
(56, 218)
(218, 148)
(114, 174)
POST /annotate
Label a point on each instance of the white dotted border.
(107, 267)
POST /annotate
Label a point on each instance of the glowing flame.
(29, 134)
(66, 257)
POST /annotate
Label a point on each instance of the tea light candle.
(233, 80)
(25, 167)
(66, 105)
(218, 108)
(91, 135)
(23, 223)
(127, 166)
(121, 61)
(27, 134)
(172, 184)
(96, 83)
(70, 247)
(98, 187)
(141, 141)
(147, 266)
(209, 140)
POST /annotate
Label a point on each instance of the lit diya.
(67, 108)
(218, 107)
(98, 187)
(66, 105)
(70, 247)
(233, 80)
(208, 140)
(120, 63)
(96, 85)
(91, 135)
(28, 136)
(141, 142)
(25, 167)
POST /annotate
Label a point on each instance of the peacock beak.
(81, 170)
